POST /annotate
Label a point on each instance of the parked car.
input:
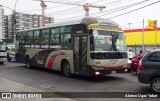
(10, 52)
(130, 56)
(134, 63)
(149, 67)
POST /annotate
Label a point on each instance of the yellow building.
(134, 37)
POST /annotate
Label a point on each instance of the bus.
(10, 49)
(3, 54)
(89, 46)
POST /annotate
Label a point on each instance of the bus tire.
(66, 69)
(1, 62)
(28, 65)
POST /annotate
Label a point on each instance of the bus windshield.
(107, 41)
(2, 48)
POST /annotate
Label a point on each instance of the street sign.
(152, 24)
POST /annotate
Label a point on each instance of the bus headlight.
(97, 68)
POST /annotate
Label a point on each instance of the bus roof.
(85, 20)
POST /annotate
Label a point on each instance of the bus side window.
(55, 35)
(65, 38)
(45, 36)
(66, 34)
(37, 36)
(29, 37)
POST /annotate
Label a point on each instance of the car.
(130, 56)
(134, 63)
(10, 52)
(149, 67)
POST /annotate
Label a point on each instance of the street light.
(14, 17)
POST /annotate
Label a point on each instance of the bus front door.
(21, 52)
(80, 54)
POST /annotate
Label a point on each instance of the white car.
(130, 56)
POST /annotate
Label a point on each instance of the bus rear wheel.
(66, 69)
(28, 65)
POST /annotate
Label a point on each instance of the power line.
(117, 9)
(134, 10)
(91, 14)
(117, 15)
(68, 10)
(122, 8)
(49, 7)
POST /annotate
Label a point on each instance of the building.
(47, 20)
(2, 35)
(134, 39)
(6, 27)
(24, 21)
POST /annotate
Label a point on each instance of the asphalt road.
(52, 81)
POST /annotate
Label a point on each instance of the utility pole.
(143, 38)
(129, 25)
(43, 5)
(14, 25)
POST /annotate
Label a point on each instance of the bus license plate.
(113, 72)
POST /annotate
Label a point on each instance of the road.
(52, 81)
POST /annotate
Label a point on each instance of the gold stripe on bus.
(77, 50)
(96, 27)
(84, 57)
(84, 51)
(76, 54)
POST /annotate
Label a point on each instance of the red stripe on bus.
(50, 62)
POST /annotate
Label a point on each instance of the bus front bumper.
(2, 60)
(93, 70)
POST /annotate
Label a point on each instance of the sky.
(60, 12)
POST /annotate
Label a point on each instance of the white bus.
(88, 46)
(3, 54)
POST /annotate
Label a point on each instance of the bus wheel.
(28, 65)
(66, 69)
(1, 62)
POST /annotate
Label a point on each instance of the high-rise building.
(24, 21)
(6, 27)
(2, 35)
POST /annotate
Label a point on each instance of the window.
(55, 35)
(45, 36)
(21, 35)
(29, 37)
(154, 57)
(36, 36)
(65, 38)
(66, 29)
(66, 34)
(80, 29)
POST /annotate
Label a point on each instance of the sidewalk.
(11, 86)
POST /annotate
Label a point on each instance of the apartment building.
(24, 21)
(2, 34)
